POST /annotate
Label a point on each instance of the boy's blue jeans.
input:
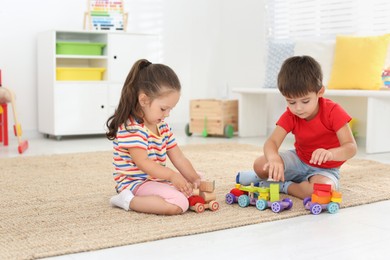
(295, 171)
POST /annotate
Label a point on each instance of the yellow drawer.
(80, 73)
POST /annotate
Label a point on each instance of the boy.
(323, 139)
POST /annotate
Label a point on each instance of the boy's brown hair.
(298, 76)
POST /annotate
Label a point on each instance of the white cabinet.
(82, 109)
(124, 49)
(74, 103)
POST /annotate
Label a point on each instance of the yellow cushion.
(358, 62)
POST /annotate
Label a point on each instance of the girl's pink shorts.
(168, 192)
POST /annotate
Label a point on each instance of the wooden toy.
(204, 197)
(323, 198)
(7, 96)
(3, 116)
(213, 117)
(261, 197)
(105, 15)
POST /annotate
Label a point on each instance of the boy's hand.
(275, 170)
(181, 184)
(320, 156)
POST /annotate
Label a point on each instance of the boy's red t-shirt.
(319, 132)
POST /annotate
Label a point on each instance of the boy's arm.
(183, 165)
(271, 152)
(140, 158)
(348, 147)
(345, 151)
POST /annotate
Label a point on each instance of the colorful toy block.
(323, 198)
(261, 197)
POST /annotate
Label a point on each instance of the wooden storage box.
(213, 117)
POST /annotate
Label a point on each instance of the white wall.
(213, 45)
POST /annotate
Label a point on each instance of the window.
(322, 19)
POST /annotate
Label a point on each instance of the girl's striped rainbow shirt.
(127, 175)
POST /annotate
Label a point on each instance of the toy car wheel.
(229, 131)
(243, 201)
(261, 204)
(187, 130)
(199, 207)
(333, 207)
(306, 200)
(290, 203)
(276, 207)
(230, 198)
(214, 206)
(315, 208)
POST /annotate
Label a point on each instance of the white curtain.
(324, 19)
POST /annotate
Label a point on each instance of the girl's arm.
(274, 163)
(345, 151)
(140, 158)
(183, 165)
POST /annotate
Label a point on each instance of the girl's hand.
(320, 156)
(275, 170)
(181, 184)
(196, 183)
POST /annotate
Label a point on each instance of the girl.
(142, 140)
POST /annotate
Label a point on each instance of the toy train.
(204, 197)
(261, 197)
(323, 198)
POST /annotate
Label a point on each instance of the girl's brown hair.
(298, 76)
(151, 79)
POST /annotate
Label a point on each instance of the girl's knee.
(178, 209)
(184, 204)
(179, 205)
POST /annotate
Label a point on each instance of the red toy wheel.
(199, 208)
(214, 206)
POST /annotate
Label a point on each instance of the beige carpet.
(53, 205)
